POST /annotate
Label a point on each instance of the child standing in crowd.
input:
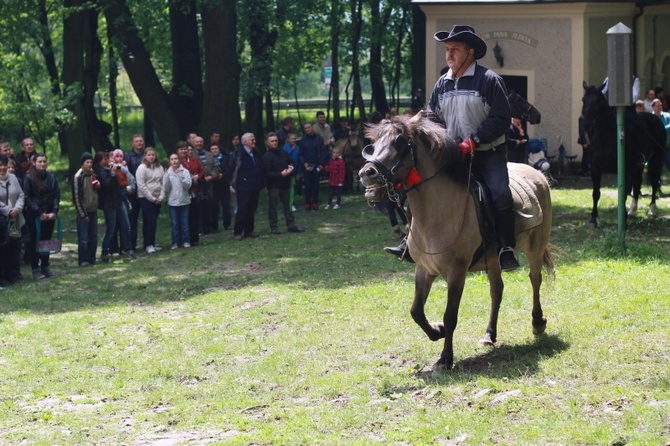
(120, 165)
(176, 183)
(336, 171)
(149, 177)
(85, 187)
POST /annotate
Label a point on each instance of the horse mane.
(428, 130)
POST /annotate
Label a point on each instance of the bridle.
(404, 146)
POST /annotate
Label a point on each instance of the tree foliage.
(190, 62)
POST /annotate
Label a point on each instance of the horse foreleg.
(422, 285)
(654, 176)
(635, 188)
(455, 282)
(595, 179)
(496, 288)
(633, 207)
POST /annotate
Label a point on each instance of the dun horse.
(644, 143)
(445, 237)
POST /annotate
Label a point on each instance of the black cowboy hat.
(465, 34)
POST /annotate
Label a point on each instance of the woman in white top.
(11, 208)
(149, 179)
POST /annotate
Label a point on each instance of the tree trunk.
(262, 42)
(376, 70)
(418, 49)
(143, 77)
(269, 114)
(186, 95)
(397, 53)
(357, 22)
(221, 107)
(81, 66)
(47, 49)
(335, 28)
(113, 75)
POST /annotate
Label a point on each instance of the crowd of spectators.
(204, 187)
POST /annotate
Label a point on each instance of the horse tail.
(548, 262)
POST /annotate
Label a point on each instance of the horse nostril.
(371, 172)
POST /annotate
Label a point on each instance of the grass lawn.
(307, 339)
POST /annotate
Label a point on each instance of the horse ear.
(585, 85)
(401, 144)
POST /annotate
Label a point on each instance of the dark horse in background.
(644, 140)
(522, 109)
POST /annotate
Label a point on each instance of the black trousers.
(247, 203)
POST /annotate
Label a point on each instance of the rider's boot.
(400, 251)
(505, 225)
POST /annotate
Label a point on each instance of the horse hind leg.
(538, 256)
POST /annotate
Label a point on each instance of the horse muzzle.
(373, 181)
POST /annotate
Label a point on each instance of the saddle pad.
(526, 205)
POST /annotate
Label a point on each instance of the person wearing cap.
(85, 187)
(472, 102)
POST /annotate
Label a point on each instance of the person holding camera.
(112, 202)
(278, 172)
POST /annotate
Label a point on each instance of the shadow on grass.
(504, 361)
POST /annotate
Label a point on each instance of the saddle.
(526, 206)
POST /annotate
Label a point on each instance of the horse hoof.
(437, 333)
(439, 369)
(652, 211)
(486, 341)
(593, 225)
(539, 328)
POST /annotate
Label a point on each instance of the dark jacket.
(275, 161)
(45, 200)
(312, 150)
(133, 160)
(248, 175)
(110, 194)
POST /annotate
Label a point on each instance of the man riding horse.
(472, 101)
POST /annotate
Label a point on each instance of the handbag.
(52, 246)
(14, 230)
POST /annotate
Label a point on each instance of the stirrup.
(507, 259)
